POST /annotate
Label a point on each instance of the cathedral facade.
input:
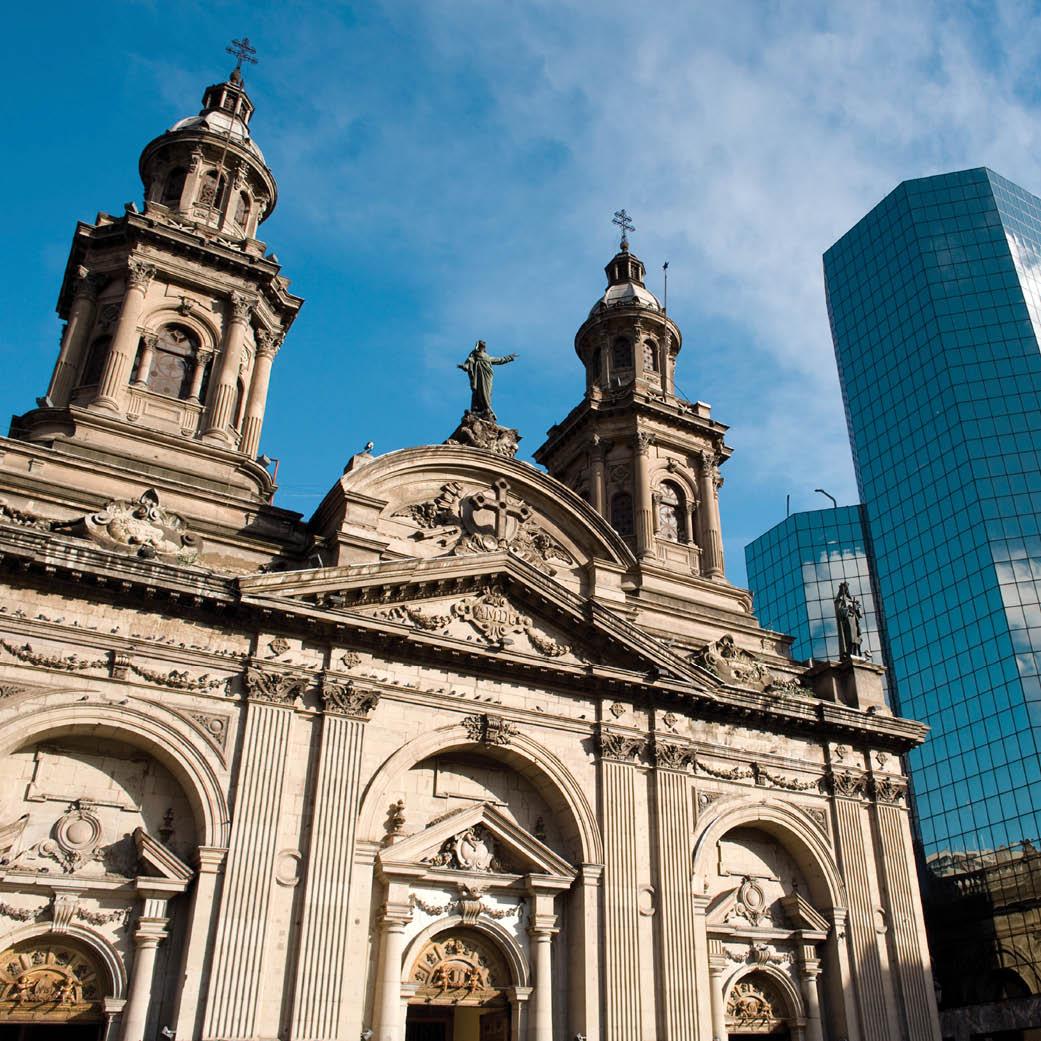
(479, 752)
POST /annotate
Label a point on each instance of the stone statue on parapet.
(478, 428)
(848, 615)
(478, 366)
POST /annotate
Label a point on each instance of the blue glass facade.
(794, 572)
(934, 300)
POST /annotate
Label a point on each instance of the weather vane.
(625, 222)
(242, 51)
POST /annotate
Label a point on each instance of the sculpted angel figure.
(478, 366)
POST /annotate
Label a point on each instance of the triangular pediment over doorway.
(476, 839)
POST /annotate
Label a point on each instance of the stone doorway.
(457, 1023)
(51, 987)
(461, 980)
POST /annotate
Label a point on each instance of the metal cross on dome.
(243, 51)
(625, 222)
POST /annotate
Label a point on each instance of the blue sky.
(448, 171)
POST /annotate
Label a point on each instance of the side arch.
(536, 759)
(515, 958)
(795, 830)
(107, 956)
(142, 724)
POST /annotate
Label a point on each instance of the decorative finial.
(243, 51)
(625, 222)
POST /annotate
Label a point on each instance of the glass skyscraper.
(934, 300)
(795, 570)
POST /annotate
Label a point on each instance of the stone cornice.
(78, 561)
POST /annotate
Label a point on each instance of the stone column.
(701, 969)
(229, 364)
(74, 339)
(598, 481)
(809, 971)
(675, 917)
(542, 1005)
(711, 531)
(267, 348)
(584, 955)
(237, 972)
(715, 997)
(542, 929)
(144, 368)
(910, 952)
(209, 861)
(112, 388)
(318, 1001)
(642, 500)
(198, 371)
(393, 919)
(150, 932)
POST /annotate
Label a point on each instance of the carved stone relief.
(141, 528)
(49, 982)
(276, 687)
(754, 1006)
(732, 664)
(486, 521)
(460, 968)
(490, 730)
(348, 699)
(750, 906)
(474, 849)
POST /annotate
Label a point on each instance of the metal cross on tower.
(242, 51)
(624, 221)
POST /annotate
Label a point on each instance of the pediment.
(497, 604)
(477, 839)
(159, 859)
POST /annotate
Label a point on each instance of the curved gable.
(447, 500)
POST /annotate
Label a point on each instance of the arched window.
(242, 210)
(594, 366)
(212, 191)
(622, 513)
(672, 524)
(622, 354)
(94, 363)
(171, 370)
(240, 401)
(650, 356)
(174, 187)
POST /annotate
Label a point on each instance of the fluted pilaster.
(675, 918)
(622, 1008)
(115, 377)
(318, 1003)
(237, 973)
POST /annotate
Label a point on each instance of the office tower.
(933, 300)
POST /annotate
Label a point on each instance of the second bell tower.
(644, 458)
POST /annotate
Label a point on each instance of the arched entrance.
(462, 981)
(756, 1009)
(51, 987)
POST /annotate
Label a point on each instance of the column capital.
(139, 273)
(242, 306)
(541, 929)
(644, 440)
(268, 343)
(210, 859)
(87, 283)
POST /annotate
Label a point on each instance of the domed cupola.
(628, 337)
(208, 170)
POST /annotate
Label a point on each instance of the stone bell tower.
(645, 459)
(174, 314)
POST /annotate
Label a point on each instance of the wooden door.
(495, 1026)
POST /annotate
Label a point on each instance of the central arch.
(527, 755)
